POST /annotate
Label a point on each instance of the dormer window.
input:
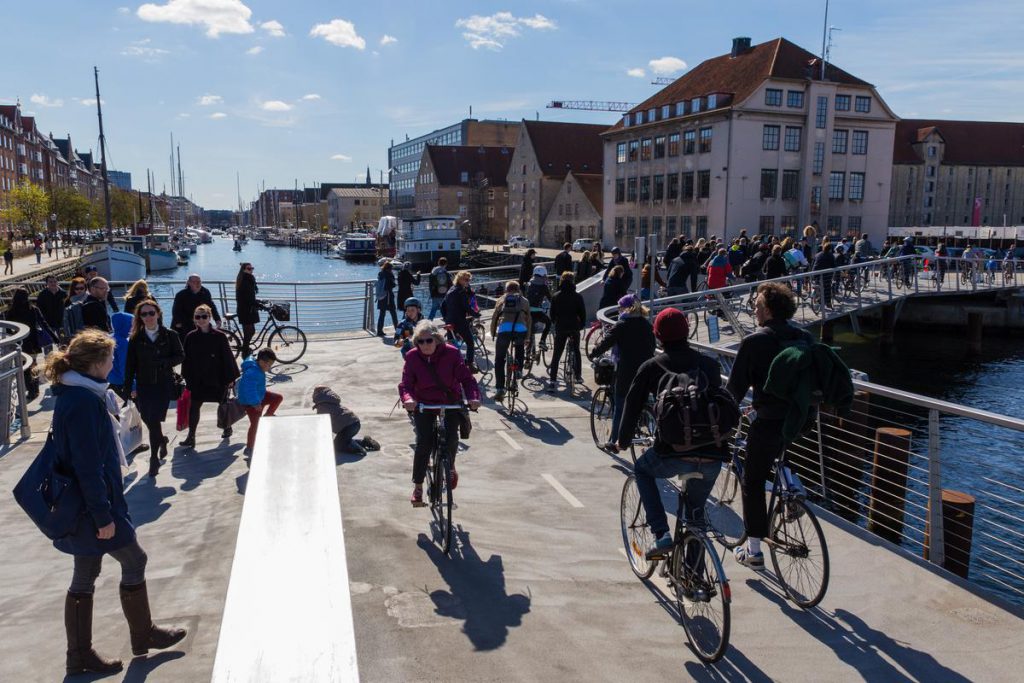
(652, 115)
(666, 111)
(639, 117)
(626, 120)
(695, 105)
(680, 108)
(712, 101)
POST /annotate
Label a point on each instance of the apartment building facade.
(469, 182)
(576, 210)
(757, 139)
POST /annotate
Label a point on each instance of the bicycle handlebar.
(441, 406)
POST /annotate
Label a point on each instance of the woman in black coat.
(23, 311)
(584, 267)
(209, 369)
(246, 306)
(614, 287)
(406, 281)
(153, 351)
(385, 292)
(526, 268)
(88, 451)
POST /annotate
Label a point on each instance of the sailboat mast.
(103, 158)
(149, 188)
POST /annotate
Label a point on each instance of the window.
(790, 184)
(645, 188)
(770, 137)
(793, 138)
(620, 153)
(643, 226)
(773, 97)
(929, 186)
(930, 172)
(769, 183)
(695, 105)
(673, 187)
(857, 186)
(665, 111)
(631, 226)
(620, 190)
(703, 184)
(862, 103)
(835, 226)
(464, 177)
(659, 187)
(818, 163)
(705, 140)
(685, 226)
(631, 190)
(639, 116)
(673, 145)
(836, 182)
(652, 115)
(787, 226)
(645, 149)
(688, 186)
(842, 103)
(702, 226)
(670, 226)
(766, 225)
(659, 147)
(712, 101)
(680, 108)
(839, 140)
(634, 150)
(821, 117)
(860, 142)
(928, 202)
(795, 99)
(618, 225)
(656, 225)
(689, 141)
(853, 225)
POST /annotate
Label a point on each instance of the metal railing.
(13, 404)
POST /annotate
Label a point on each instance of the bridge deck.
(537, 587)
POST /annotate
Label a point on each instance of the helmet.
(540, 270)
(908, 240)
(412, 301)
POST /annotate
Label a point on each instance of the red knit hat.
(671, 326)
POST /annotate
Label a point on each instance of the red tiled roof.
(740, 76)
(449, 162)
(976, 143)
(563, 147)
(592, 185)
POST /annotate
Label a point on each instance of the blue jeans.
(651, 467)
(435, 305)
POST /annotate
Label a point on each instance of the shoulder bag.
(51, 499)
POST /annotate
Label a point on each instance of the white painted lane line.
(511, 442)
(564, 492)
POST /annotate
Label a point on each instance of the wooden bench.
(288, 613)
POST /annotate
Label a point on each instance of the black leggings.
(248, 331)
(425, 441)
(561, 338)
(87, 568)
(764, 446)
(193, 414)
(156, 436)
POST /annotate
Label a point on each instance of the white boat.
(160, 259)
(422, 241)
(183, 253)
(192, 247)
(117, 263)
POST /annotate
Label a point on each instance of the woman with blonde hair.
(136, 293)
(89, 451)
(457, 310)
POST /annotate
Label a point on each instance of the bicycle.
(569, 361)
(511, 396)
(439, 472)
(593, 337)
(691, 567)
(479, 348)
(287, 341)
(796, 542)
(601, 410)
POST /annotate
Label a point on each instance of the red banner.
(976, 214)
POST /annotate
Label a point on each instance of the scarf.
(73, 378)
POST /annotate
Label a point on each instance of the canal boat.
(160, 259)
(422, 241)
(117, 262)
(358, 246)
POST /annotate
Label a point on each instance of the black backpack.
(690, 414)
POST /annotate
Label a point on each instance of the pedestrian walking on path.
(185, 303)
(138, 292)
(8, 261)
(209, 369)
(246, 305)
(385, 293)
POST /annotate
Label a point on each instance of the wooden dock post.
(958, 530)
(888, 324)
(975, 328)
(889, 482)
(845, 441)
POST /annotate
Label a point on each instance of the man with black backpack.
(439, 282)
(695, 418)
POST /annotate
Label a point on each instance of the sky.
(312, 91)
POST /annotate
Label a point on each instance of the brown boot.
(145, 634)
(78, 624)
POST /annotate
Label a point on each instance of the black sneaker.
(226, 434)
(163, 448)
(189, 442)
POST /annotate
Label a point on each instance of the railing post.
(936, 553)
(295, 301)
(917, 277)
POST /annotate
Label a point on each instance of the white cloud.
(218, 115)
(255, 50)
(141, 48)
(341, 157)
(275, 105)
(492, 32)
(666, 66)
(636, 73)
(45, 101)
(217, 16)
(310, 97)
(387, 40)
(274, 28)
(88, 101)
(208, 100)
(184, 115)
(339, 32)
(124, 10)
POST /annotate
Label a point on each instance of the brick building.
(755, 138)
(349, 207)
(957, 173)
(545, 153)
(576, 210)
(469, 182)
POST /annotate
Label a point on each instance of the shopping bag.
(229, 412)
(184, 403)
(130, 431)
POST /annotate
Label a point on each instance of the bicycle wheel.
(545, 357)
(692, 322)
(479, 348)
(288, 342)
(799, 554)
(601, 416)
(593, 338)
(644, 430)
(636, 535)
(441, 504)
(703, 597)
(724, 508)
(568, 373)
(235, 343)
(511, 389)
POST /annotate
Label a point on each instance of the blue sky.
(314, 90)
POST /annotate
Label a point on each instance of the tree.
(28, 206)
(71, 208)
(123, 207)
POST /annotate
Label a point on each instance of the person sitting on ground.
(344, 422)
(403, 333)
(435, 374)
(253, 394)
(510, 322)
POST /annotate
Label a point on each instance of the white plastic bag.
(130, 428)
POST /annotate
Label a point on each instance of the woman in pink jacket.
(434, 374)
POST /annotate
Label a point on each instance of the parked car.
(927, 252)
(520, 241)
(582, 244)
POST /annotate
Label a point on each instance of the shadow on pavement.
(147, 500)
(141, 667)
(546, 429)
(476, 592)
(192, 467)
(865, 649)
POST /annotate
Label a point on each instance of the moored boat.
(422, 241)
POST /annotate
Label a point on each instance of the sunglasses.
(147, 314)
(428, 340)
(79, 289)
(200, 317)
(249, 268)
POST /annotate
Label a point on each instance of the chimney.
(740, 45)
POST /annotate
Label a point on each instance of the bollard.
(958, 528)
(975, 327)
(888, 324)
(828, 332)
(888, 483)
(846, 442)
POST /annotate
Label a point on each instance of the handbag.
(183, 405)
(177, 386)
(465, 424)
(229, 412)
(51, 500)
(130, 431)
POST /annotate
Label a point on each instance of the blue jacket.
(87, 451)
(252, 386)
(122, 323)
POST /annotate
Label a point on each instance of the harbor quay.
(537, 586)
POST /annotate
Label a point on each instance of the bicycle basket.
(281, 312)
(604, 372)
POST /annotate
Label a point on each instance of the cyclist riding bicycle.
(510, 322)
(435, 374)
(403, 333)
(908, 266)
(570, 316)
(539, 295)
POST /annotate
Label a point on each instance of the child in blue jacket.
(122, 324)
(253, 394)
